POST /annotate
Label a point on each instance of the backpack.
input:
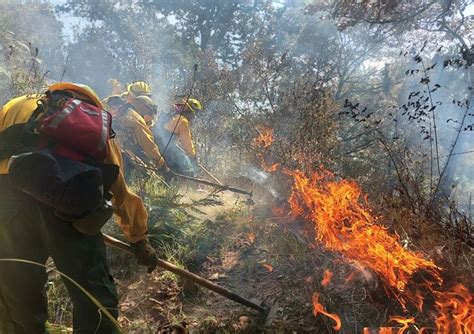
(67, 126)
(77, 129)
(57, 156)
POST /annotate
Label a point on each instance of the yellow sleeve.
(184, 132)
(131, 214)
(145, 138)
(16, 111)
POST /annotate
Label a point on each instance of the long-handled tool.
(209, 174)
(197, 180)
(213, 184)
(140, 163)
(204, 169)
(264, 310)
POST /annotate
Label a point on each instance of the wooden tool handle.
(190, 276)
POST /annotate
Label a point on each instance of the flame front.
(343, 223)
(319, 308)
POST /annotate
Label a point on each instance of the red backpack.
(58, 157)
(77, 130)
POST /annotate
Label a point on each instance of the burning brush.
(344, 223)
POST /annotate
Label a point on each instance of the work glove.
(161, 163)
(145, 254)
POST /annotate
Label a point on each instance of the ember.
(268, 267)
(350, 277)
(266, 167)
(251, 236)
(326, 278)
(265, 137)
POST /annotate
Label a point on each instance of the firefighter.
(172, 133)
(131, 111)
(134, 89)
(33, 231)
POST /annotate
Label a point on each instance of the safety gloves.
(145, 254)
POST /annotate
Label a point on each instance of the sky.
(469, 10)
(68, 20)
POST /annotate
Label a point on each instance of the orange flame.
(326, 278)
(406, 322)
(319, 308)
(266, 167)
(251, 237)
(350, 277)
(265, 137)
(265, 140)
(456, 311)
(344, 223)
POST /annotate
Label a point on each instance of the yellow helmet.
(83, 91)
(193, 105)
(139, 88)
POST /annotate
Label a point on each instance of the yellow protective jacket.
(131, 213)
(182, 131)
(134, 125)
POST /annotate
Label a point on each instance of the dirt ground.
(244, 264)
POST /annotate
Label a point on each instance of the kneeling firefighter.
(172, 133)
(60, 181)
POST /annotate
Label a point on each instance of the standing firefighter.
(172, 133)
(60, 181)
(131, 111)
